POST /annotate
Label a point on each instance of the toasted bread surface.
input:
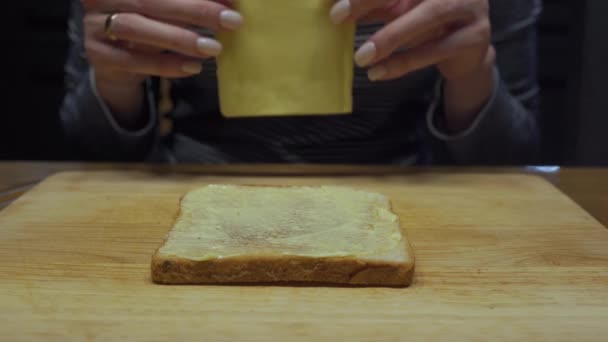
(253, 234)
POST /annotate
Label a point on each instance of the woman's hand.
(150, 38)
(453, 35)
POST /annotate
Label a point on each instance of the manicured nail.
(209, 46)
(192, 68)
(231, 19)
(377, 73)
(340, 11)
(365, 54)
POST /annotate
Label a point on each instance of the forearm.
(466, 95)
(92, 128)
(125, 100)
(502, 132)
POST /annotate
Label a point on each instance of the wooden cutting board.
(504, 257)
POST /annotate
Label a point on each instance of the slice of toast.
(262, 234)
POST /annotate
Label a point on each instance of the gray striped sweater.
(395, 122)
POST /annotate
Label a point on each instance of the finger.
(213, 15)
(105, 56)
(470, 38)
(370, 9)
(140, 30)
(428, 16)
(344, 10)
(94, 28)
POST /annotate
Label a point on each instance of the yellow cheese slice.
(288, 59)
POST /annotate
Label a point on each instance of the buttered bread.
(264, 234)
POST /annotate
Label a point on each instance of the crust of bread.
(286, 270)
(393, 269)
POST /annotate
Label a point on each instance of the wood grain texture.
(498, 256)
(588, 187)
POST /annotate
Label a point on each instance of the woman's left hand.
(453, 35)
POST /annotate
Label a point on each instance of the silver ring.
(108, 26)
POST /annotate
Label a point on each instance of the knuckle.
(182, 41)
(122, 26)
(202, 13)
(174, 44)
(206, 13)
(482, 32)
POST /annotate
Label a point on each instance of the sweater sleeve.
(506, 130)
(87, 122)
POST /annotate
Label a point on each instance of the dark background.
(573, 71)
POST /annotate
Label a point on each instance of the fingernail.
(365, 54)
(231, 19)
(377, 73)
(209, 46)
(340, 11)
(192, 67)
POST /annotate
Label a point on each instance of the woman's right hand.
(150, 38)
